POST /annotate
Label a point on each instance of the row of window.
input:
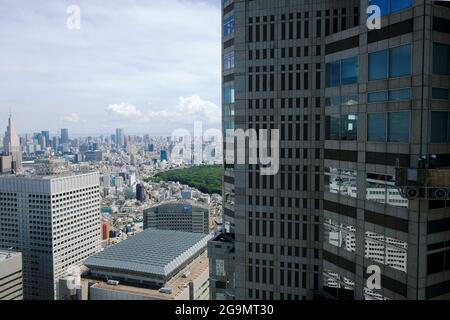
(386, 250)
(391, 6)
(379, 188)
(381, 127)
(390, 63)
(384, 96)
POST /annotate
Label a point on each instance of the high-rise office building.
(10, 275)
(120, 137)
(45, 138)
(163, 155)
(54, 221)
(351, 104)
(64, 136)
(11, 145)
(140, 192)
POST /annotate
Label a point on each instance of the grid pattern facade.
(54, 221)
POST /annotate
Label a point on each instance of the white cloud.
(195, 108)
(72, 118)
(145, 52)
(187, 111)
(125, 112)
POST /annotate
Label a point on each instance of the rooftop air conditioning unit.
(113, 282)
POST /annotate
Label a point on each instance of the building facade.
(153, 265)
(387, 98)
(181, 215)
(54, 221)
(11, 287)
(351, 104)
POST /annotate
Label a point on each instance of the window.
(380, 96)
(395, 62)
(440, 94)
(441, 59)
(378, 65)
(228, 61)
(349, 71)
(341, 101)
(334, 74)
(391, 6)
(228, 26)
(343, 127)
(340, 235)
(376, 123)
(338, 286)
(342, 72)
(400, 95)
(228, 94)
(340, 181)
(439, 126)
(400, 61)
(386, 250)
(381, 188)
(392, 95)
(390, 126)
(398, 126)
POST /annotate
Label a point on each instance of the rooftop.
(151, 253)
(177, 283)
(181, 202)
(5, 254)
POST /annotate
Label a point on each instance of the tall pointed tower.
(11, 144)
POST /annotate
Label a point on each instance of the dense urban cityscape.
(350, 113)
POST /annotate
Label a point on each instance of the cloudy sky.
(150, 66)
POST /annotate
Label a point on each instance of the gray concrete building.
(181, 215)
(54, 221)
(10, 275)
(153, 265)
(351, 104)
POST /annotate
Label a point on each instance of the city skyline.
(118, 70)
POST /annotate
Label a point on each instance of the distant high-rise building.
(106, 228)
(93, 156)
(163, 155)
(10, 275)
(46, 134)
(55, 143)
(64, 136)
(120, 137)
(181, 215)
(140, 192)
(11, 145)
(37, 218)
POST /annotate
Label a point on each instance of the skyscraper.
(120, 137)
(11, 145)
(45, 139)
(351, 104)
(54, 221)
(64, 136)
